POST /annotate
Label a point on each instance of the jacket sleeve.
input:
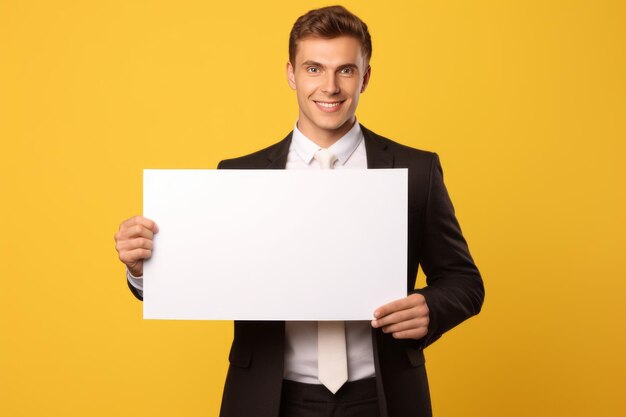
(137, 293)
(454, 290)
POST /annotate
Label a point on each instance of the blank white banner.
(275, 244)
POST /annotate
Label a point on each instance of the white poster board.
(275, 244)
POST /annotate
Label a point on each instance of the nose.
(330, 85)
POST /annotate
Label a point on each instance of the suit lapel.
(277, 159)
(378, 155)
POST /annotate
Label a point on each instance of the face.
(328, 76)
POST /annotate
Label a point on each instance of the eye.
(347, 71)
(313, 70)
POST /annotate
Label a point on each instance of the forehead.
(341, 50)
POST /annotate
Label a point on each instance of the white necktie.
(325, 158)
(332, 360)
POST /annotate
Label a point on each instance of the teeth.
(328, 105)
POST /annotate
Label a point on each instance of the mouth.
(329, 106)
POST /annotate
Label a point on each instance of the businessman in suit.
(309, 369)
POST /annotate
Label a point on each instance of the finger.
(131, 256)
(136, 243)
(147, 223)
(397, 317)
(134, 231)
(406, 325)
(411, 334)
(401, 304)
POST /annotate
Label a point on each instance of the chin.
(333, 124)
(331, 128)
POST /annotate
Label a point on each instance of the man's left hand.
(406, 318)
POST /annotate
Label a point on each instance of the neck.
(325, 138)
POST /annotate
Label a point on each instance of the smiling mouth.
(329, 106)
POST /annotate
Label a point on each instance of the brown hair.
(328, 23)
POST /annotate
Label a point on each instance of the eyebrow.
(317, 64)
(309, 62)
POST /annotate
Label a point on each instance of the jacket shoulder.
(259, 159)
(404, 156)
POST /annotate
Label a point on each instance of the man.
(283, 369)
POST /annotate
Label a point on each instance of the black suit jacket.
(454, 292)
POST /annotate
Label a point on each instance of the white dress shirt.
(301, 336)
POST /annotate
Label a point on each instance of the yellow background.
(525, 101)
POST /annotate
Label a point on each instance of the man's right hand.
(133, 242)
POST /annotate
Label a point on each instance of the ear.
(291, 78)
(366, 78)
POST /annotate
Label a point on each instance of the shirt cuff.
(136, 282)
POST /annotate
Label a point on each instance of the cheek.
(354, 99)
(353, 90)
(308, 88)
(302, 97)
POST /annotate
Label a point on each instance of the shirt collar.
(342, 149)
